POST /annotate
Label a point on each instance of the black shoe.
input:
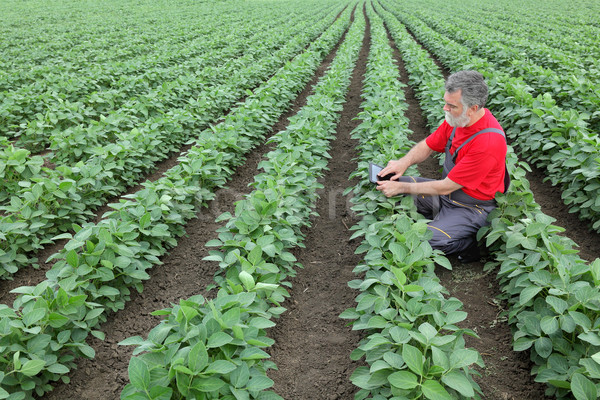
(470, 254)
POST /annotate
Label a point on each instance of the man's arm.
(420, 152)
(429, 188)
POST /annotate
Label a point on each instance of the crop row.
(46, 330)
(555, 139)
(412, 346)
(94, 42)
(540, 46)
(61, 96)
(89, 34)
(135, 107)
(75, 122)
(553, 296)
(48, 206)
(213, 349)
(572, 29)
(572, 87)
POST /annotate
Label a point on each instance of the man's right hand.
(396, 167)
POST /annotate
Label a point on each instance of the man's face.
(456, 113)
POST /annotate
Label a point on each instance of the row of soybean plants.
(44, 207)
(573, 29)
(412, 345)
(45, 331)
(552, 294)
(31, 49)
(213, 349)
(78, 126)
(571, 41)
(92, 39)
(554, 139)
(541, 47)
(573, 86)
(62, 98)
(58, 95)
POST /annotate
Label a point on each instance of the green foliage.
(46, 204)
(554, 138)
(102, 262)
(412, 346)
(213, 350)
(552, 294)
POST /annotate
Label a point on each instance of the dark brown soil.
(312, 344)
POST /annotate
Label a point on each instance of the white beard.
(457, 122)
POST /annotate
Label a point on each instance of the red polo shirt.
(480, 164)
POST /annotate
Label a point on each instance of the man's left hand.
(390, 188)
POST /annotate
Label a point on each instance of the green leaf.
(94, 313)
(528, 293)
(220, 367)
(442, 261)
(247, 280)
(259, 383)
(596, 357)
(398, 251)
(522, 343)
(218, 339)
(433, 390)
(543, 346)
(73, 259)
(56, 320)
(413, 358)
(558, 304)
(590, 337)
(581, 320)
(413, 288)
(161, 393)
(403, 380)
(32, 367)
(255, 256)
(198, 357)
(252, 353)
(549, 324)
(459, 382)
(145, 220)
(463, 358)
(58, 369)
(208, 385)
(87, 351)
(583, 388)
(261, 323)
(139, 375)
(33, 316)
(393, 359)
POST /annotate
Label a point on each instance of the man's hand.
(396, 167)
(429, 188)
(391, 188)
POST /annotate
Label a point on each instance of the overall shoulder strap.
(450, 139)
(486, 130)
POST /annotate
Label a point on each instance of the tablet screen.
(374, 169)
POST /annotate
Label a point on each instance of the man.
(474, 168)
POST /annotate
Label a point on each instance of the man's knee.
(441, 240)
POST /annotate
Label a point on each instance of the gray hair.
(473, 87)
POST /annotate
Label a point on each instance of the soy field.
(185, 210)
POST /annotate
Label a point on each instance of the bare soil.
(312, 344)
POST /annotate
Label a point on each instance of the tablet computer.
(374, 169)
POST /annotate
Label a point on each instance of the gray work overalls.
(456, 217)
